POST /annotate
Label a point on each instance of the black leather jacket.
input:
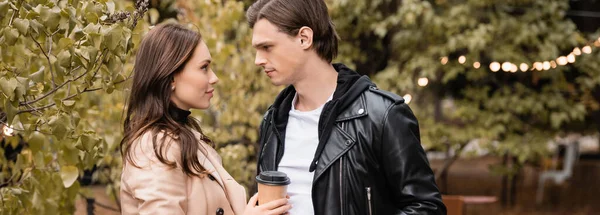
(369, 159)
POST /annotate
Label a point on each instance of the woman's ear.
(173, 84)
(305, 36)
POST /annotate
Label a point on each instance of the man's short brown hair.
(291, 15)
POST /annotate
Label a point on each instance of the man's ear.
(305, 36)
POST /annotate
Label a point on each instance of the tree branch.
(13, 16)
(55, 88)
(448, 163)
(47, 58)
(14, 72)
(67, 98)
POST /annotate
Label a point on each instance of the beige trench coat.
(155, 188)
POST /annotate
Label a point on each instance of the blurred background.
(506, 92)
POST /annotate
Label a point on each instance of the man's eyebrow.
(260, 44)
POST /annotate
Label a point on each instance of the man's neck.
(315, 89)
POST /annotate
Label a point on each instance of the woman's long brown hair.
(164, 51)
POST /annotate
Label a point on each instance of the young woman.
(169, 165)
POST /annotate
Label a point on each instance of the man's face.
(280, 54)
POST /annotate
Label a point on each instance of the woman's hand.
(277, 207)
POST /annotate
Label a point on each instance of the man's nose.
(260, 60)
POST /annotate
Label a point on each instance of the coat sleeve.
(159, 188)
(405, 164)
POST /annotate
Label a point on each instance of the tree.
(454, 44)
(53, 53)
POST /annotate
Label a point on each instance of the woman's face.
(192, 87)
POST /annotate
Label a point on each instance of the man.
(348, 147)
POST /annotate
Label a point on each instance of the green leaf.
(65, 43)
(87, 142)
(39, 160)
(110, 6)
(3, 8)
(59, 127)
(8, 87)
(22, 86)
(50, 17)
(10, 110)
(113, 38)
(11, 35)
(64, 58)
(38, 77)
(22, 25)
(36, 27)
(68, 103)
(92, 28)
(37, 200)
(154, 15)
(70, 156)
(69, 174)
(36, 141)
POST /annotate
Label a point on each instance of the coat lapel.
(236, 194)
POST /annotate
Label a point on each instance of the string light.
(495, 66)
(571, 58)
(546, 65)
(587, 49)
(562, 60)
(513, 68)
(444, 60)
(8, 131)
(524, 67)
(423, 82)
(539, 66)
(462, 59)
(407, 98)
(506, 66)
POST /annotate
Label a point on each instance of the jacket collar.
(350, 86)
(355, 110)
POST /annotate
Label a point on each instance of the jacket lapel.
(340, 141)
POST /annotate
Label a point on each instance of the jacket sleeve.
(159, 189)
(405, 164)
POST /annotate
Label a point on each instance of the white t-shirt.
(301, 140)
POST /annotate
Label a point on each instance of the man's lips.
(269, 71)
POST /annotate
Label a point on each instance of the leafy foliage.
(52, 52)
(510, 113)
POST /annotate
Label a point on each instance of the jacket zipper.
(341, 185)
(369, 200)
(278, 136)
(266, 142)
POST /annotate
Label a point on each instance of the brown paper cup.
(272, 185)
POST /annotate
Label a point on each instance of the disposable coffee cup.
(272, 185)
